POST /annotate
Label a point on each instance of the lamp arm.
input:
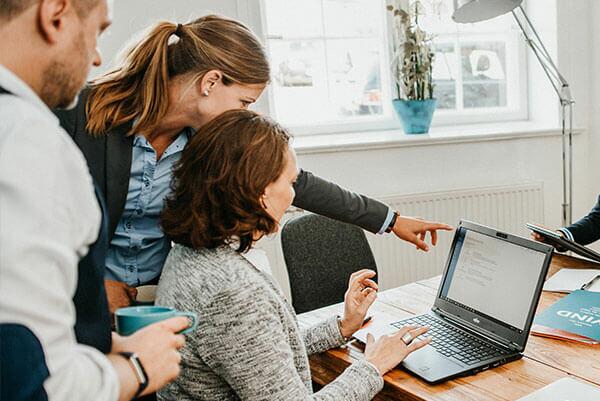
(559, 83)
(561, 87)
(541, 45)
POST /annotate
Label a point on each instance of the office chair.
(320, 255)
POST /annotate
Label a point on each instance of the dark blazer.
(92, 317)
(587, 229)
(24, 368)
(109, 159)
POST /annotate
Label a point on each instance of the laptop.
(484, 306)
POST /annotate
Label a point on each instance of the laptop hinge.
(478, 330)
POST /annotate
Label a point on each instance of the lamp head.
(466, 11)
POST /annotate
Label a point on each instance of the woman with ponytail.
(133, 123)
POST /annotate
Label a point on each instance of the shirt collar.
(12, 83)
(175, 147)
(256, 257)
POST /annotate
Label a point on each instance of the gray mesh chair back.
(320, 254)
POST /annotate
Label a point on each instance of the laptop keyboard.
(453, 342)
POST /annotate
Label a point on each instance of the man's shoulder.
(31, 139)
(16, 112)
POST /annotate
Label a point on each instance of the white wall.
(593, 162)
(407, 170)
(131, 17)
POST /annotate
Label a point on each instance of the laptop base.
(433, 367)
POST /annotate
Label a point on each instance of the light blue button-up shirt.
(138, 249)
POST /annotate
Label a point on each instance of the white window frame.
(518, 112)
(255, 15)
(349, 124)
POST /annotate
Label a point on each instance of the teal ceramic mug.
(131, 319)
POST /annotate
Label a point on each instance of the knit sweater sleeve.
(322, 336)
(245, 343)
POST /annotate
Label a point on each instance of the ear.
(262, 201)
(51, 18)
(209, 80)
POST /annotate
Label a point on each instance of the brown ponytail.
(138, 88)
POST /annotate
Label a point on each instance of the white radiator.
(507, 208)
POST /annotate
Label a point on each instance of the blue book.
(578, 313)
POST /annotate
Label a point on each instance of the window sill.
(370, 140)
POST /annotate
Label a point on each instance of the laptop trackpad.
(430, 365)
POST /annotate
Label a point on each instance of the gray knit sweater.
(248, 345)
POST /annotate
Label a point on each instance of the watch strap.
(139, 371)
(390, 227)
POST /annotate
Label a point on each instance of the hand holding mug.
(156, 345)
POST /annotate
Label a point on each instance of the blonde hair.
(138, 88)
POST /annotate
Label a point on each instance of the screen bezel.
(487, 324)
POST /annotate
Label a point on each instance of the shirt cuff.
(387, 221)
(567, 233)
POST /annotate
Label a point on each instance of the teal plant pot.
(415, 115)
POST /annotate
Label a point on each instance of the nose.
(97, 61)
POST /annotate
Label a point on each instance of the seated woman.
(231, 187)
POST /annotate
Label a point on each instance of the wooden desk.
(545, 361)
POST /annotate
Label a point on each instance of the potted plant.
(412, 64)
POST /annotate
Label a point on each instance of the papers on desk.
(568, 280)
(565, 389)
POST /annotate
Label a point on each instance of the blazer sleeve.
(328, 199)
(587, 229)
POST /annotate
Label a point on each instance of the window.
(329, 61)
(331, 71)
(479, 69)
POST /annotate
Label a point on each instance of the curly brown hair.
(218, 182)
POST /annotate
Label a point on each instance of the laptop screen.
(493, 277)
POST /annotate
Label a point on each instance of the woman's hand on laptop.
(361, 293)
(389, 351)
(414, 230)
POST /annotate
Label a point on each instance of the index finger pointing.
(439, 226)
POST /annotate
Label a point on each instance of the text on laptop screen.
(493, 277)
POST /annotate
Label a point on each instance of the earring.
(205, 93)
